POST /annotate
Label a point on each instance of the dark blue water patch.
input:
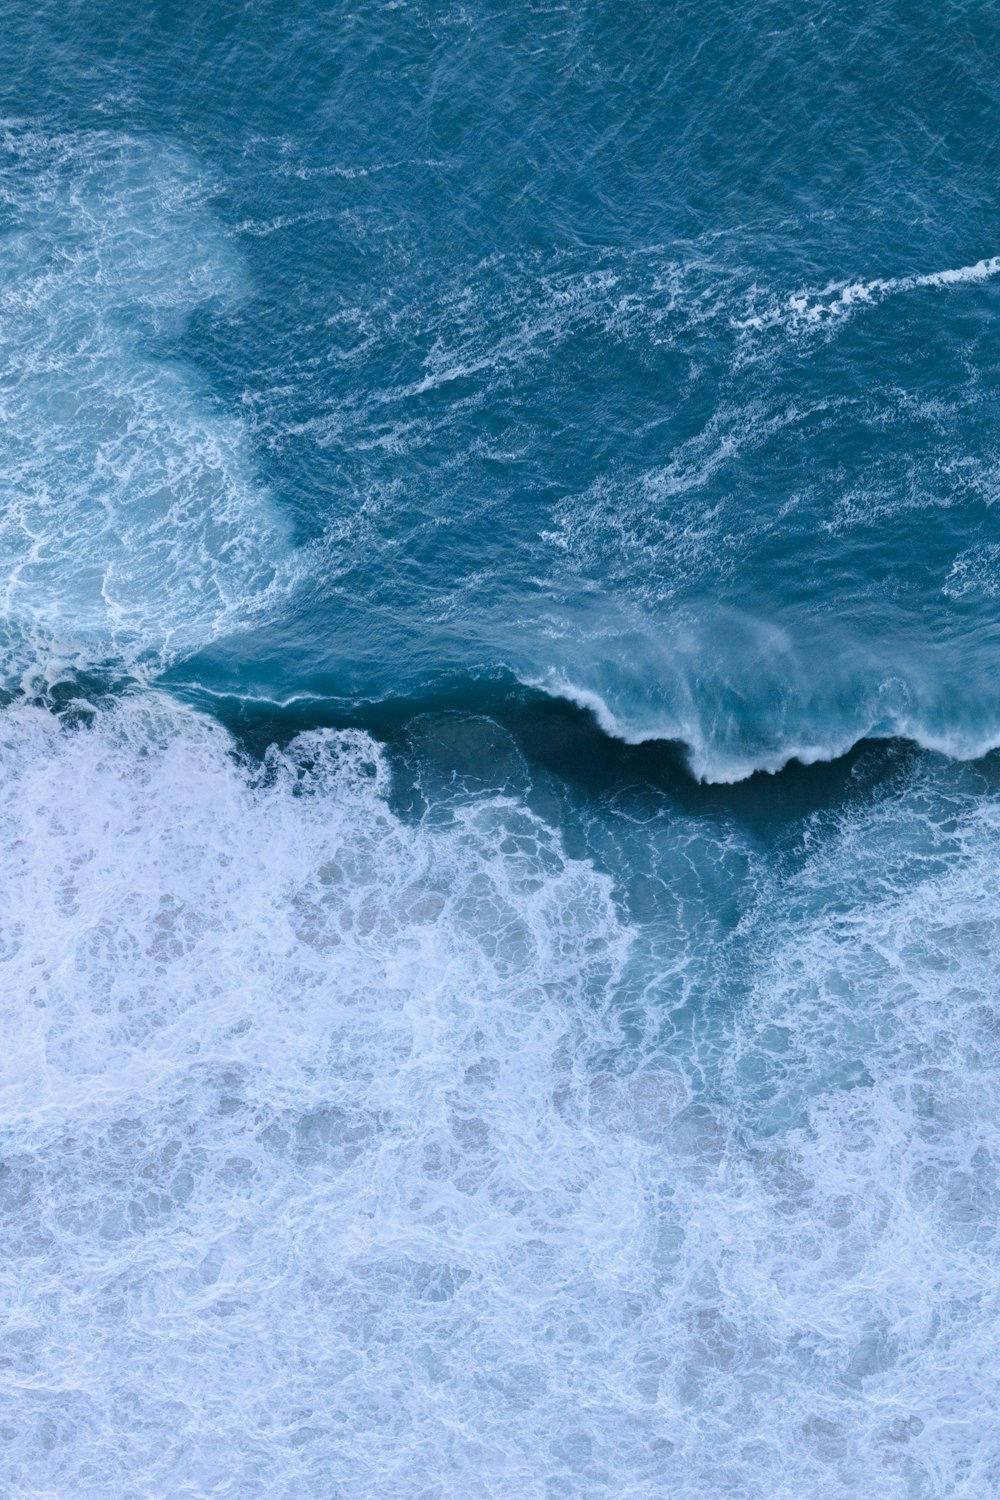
(564, 118)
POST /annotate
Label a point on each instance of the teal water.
(499, 821)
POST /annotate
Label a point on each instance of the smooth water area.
(499, 836)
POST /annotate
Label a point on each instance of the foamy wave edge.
(714, 765)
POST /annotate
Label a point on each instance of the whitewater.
(499, 788)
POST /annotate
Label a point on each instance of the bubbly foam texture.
(870, 1051)
(349, 1156)
(802, 310)
(133, 527)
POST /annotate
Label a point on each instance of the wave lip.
(719, 749)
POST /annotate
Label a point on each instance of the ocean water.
(499, 791)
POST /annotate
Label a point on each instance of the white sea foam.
(346, 1157)
(870, 1050)
(807, 309)
(132, 524)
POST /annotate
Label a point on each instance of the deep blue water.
(499, 833)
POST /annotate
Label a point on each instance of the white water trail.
(838, 299)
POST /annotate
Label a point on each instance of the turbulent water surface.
(499, 833)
